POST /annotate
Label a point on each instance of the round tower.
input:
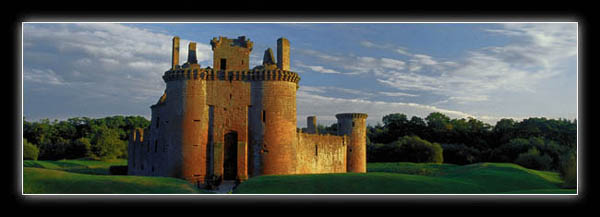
(185, 119)
(354, 125)
(276, 106)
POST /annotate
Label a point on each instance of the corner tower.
(354, 125)
(231, 54)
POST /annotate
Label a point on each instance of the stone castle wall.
(320, 153)
(236, 123)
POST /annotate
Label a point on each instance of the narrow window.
(223, 64)
(155, 146)
(157, 121)
(316, 150)
(264, 116)
(352, 123)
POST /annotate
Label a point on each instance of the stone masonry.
(231, 122)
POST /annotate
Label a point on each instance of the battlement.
(241, 41)
(351, 115)
(196, 73)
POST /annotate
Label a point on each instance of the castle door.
(230, 156)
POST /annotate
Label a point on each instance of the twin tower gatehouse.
(231, 122)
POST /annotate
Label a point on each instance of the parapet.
(241, 41)
(351, 115)
(194, 73)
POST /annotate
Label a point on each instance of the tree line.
(79, 137)
(535, 143)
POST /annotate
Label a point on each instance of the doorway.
(230, 156)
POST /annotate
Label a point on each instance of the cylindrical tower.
(311, 124)
(354, 125)
(274, 95)
(186, 121)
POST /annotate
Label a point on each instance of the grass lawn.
(91, 177)
(77, 166)
(412, 178)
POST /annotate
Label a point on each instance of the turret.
(354, 125)
(311, 124)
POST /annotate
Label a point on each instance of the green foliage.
(479, 142)
(30, 151)
(76, 137)
(534, 160)
(406, 149)
(460, 154)
(106, 143)
(568, 169)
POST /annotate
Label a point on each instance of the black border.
(303, 204)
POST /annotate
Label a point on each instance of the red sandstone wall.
(278, 154)
(230, 101)
(194, 127)
(322, 153)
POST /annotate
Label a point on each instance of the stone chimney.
(283, 54)
(192, 53)
(175, 56)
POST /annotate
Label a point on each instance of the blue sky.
(483, 70)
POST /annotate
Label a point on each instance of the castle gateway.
(231, 122)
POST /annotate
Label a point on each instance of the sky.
(487, 71)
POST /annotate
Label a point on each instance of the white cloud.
(319, 69)
(398, 94)
(325, 108)
(115, 64)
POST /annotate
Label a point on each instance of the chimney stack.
(175, 56)
(283, 54)
(192, 53)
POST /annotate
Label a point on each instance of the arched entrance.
(230, 156)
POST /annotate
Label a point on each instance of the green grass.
(413, 178)
(83, 176)
(48, 181)
(77, 166)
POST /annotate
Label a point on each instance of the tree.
(568, 169)
(82, 147)
(439, 126)
(532, 159)
(397, 125)
(30, 151)
(415, 149)
(106, 143)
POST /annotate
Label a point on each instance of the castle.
(231, 122)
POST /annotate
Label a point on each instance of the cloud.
(312, 103)
(397, 94)
(332, 90)
(536, 53)
(115, 64)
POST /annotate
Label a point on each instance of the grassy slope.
(77, 166)
(89, 177)
(410, 178)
